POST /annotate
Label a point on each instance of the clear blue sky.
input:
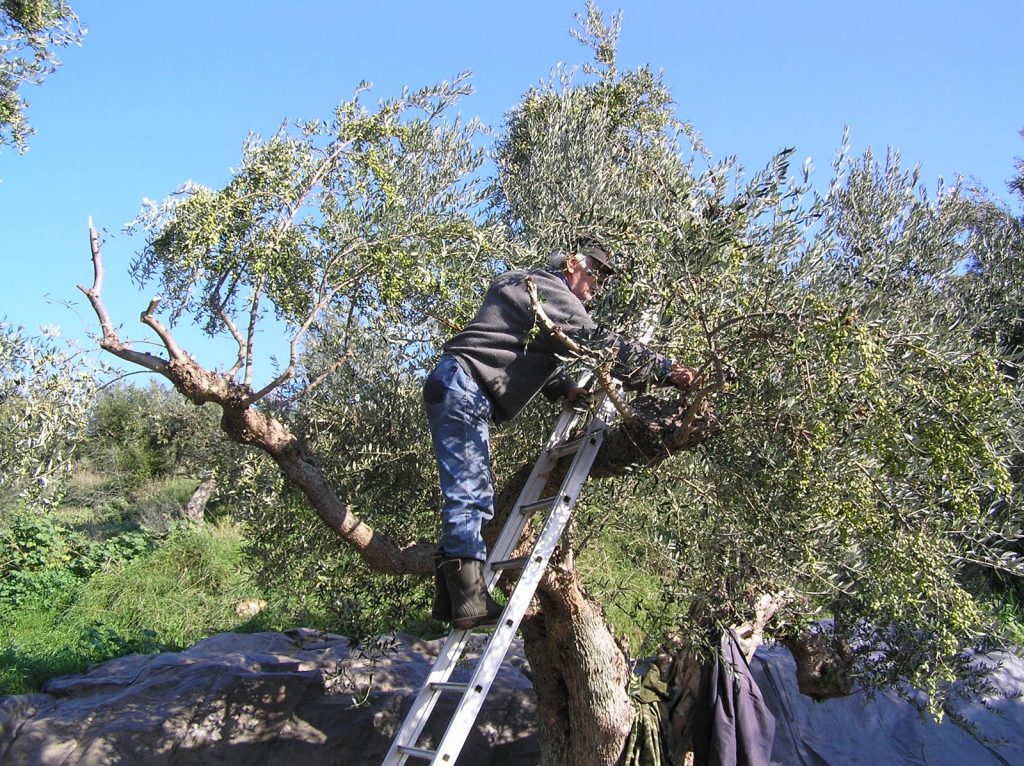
(164, 92)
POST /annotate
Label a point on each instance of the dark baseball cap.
(597, 251)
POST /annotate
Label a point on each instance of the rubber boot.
(441, 610)
(471, 604)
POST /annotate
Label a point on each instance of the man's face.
(583, 277)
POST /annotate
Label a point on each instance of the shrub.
(39, 555)
(165, 598)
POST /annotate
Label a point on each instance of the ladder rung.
(417, 752)
(565, 448)
(509, 563)
(528, 509)
(448, 686)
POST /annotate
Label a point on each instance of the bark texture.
(580, 672)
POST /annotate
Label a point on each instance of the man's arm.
(636, 365)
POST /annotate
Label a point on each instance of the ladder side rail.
(494, 653)
(423, 705)
(517, 522)
(491, 658)
(509, 536)
(490, 661)
(419, 713)
(425, 701)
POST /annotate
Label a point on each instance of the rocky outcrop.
(304, 697)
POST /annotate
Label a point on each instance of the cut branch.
(109, 341)
(162, 332)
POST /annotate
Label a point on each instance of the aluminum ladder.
(558, 507)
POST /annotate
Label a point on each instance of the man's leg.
(458, 413)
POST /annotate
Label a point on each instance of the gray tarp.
(886, 730)
(279, 699)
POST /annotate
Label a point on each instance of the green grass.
(184, 590)
(1010, 612)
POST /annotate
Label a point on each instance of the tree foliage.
(43, 403)
(142, 434)
(30, 33)
(370, 217)
(992, 291)
(863, 466)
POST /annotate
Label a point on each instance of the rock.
(253, 700)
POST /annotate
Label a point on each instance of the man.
(490, 371)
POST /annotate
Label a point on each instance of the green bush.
(183, 590)
(39, 555)
(167, 598)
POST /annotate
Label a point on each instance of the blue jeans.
(458, 413)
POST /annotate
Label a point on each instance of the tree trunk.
(581, 677)
(197, 503)
(580, 673)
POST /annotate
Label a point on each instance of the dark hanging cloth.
(733, 725)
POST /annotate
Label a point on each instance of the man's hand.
(577, 394)
(682, 376)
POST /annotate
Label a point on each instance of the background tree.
(30, 33)
(991, 293)
(43, 406)
(861, 468)
(140, 439)
(990, 296)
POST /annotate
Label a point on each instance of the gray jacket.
(512, 361)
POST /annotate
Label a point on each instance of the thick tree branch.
(246, 426)
(254, 311)
(148, 319)
(109, 339)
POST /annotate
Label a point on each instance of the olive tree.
(43, 405)
(30, 33)
(369, 219)
(861, 470)
(844, 454)
(138, 435)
